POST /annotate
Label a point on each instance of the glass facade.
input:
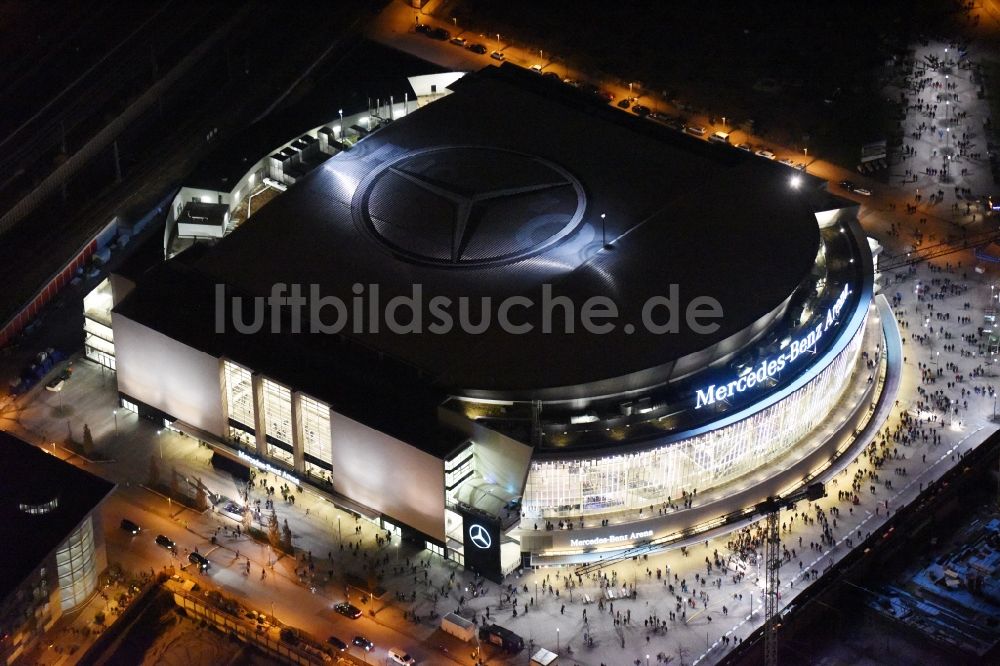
(637, 480)
(239, 394)
(76, 566)
(316, 440)
(278, 421)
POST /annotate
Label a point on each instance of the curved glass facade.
(76, 566)
(640, 479)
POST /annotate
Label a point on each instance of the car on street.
(497, 55)
(550, 75)
(695, 130)
(398, 656)
(56, 385)
(130, 527)
(787, 162)
(199, 561)
(851, 186)
(571, 82)
(537, 69)
(337, 644)
(423, 27)
(477, 48)
(363, 643)
(439, 34)
(766, 154)
(290, 635)
(459, 41)
(164, 541)
(624, 103)
(640, 110)
(348, 610)
(746, 147)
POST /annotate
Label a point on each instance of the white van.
(719, 137)
(398, 656)
(696, 130)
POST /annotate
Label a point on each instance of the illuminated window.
(76, 566)
(278, 421)
(239, 395)
(36, 509)
(316, 441)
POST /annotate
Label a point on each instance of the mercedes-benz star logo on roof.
(479, 537)
(468, 206)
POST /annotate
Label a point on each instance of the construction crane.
(771, 509)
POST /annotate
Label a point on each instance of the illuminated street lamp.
(114, 413)
(341, 137)
(498, 41)
(557, 640)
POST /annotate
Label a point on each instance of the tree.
(88, 440)
(286, 537)
(273, 532)
(247, 517)
(154, 471)
(201, 498)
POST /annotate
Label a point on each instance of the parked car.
(165, 542)
(746, 147)
(199, 561)
(440, 34)
(398, 656)
(640, 110)
(766, 154)
(348, 610)
(290, 635)
(423, 27)
(624, 103)
(497, 55)
(337, 644)
(130, 527)
(477, 48)
(459, 41)
(537, 69)
(363, 643)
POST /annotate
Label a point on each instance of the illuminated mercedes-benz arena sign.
(488, 444)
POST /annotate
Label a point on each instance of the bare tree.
(286, 537)
(88, 440)
(273, 531)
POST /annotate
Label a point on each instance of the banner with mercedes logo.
(481, 538)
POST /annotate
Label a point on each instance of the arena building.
(680, 319)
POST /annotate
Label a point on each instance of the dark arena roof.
(33, 478)
(499, 189)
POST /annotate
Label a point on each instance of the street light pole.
(604, 237)
(342, 132)
(498, 42)
(114, 412)
(557, 640)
